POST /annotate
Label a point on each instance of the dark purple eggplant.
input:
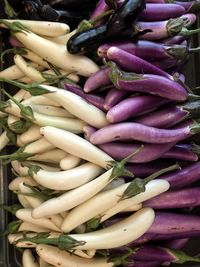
(31, 9)
(83, 42)
(125, 16)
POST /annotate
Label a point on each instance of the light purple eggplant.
(164, 118)
(180, 153)
(156, 12)
(148, 153)
(128, 131)
(184, 177)
(119, 151)
(113, 97)
(130, 62)
(147, 83)
(168, 63)
(101, 7)
(182, 198)
(97, 80)
(165, 28)
(95, 100)
(174, 40)
(142, 48)
(134, 106)
(163, 255)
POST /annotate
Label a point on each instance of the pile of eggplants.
(142, 48)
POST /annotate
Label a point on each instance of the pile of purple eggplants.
(142, 48)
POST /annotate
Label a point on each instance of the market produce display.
(98, 127)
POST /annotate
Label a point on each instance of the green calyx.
(26, 112)
(15, 26)
(12, 208)
(138, 185)
(93, 224)
(63, 241)
(12, 228)
(119, 167)
(116, 74)
(182, 257)
(20, 126)
(11, 136)
(186, 32)
(19, 155)
(174, 26)
(123, 259)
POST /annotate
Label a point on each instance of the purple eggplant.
(182, 198)
(161, 254)
(14, 42)
(156, 12)
(95, 100)
(164, 118)
(190, 6)
(97, 80)
(101, 7)
(113, 97)
(134, 106)
(183, 177)
(148, 153)
(135, 131)
(144, 49)
(147, 83)
(131, 62)
(167, 28)
(180, 153)
(174, 40)
(143, 170)
(168, 63)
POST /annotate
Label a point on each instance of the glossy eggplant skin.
(83, 41)
(125, 16)
(31, 9)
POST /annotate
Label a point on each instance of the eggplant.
(31, 9)
(72, 4)
(125, 16)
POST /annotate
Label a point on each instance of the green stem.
(12, 228)
(11, 136)
(12, 208)
(123, 260)
(138, 185)
(119, 167)
(63, 241)
(101, 16)
(26, 112)
(15, 50)
(34, 88)
(186, 32)
(182, 257)
(15, 26)
(19, 155)
(194, 49)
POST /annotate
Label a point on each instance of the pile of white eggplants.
(62, 180)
